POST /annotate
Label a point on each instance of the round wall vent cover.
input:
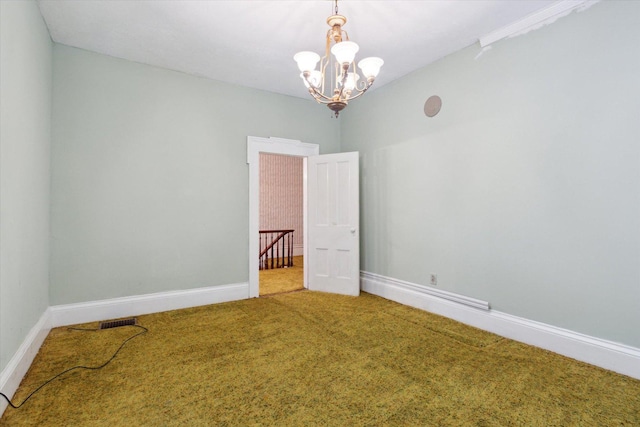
(432, 106)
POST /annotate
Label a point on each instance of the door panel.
(334, 228)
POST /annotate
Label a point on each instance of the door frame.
(287, 147)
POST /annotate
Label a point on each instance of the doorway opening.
(330, 220)
(281, 234)
(256, 146)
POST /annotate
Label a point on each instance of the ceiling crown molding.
(536, 20)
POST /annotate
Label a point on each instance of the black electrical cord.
(144, 331)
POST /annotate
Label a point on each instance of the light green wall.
(149, 176)
(525, 190)
(25, 125)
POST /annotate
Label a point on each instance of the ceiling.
(252, 43)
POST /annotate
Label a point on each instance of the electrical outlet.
(434, 279)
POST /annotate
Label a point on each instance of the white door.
(333, 223)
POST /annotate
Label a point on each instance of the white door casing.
(333, 225)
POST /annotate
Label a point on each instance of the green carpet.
(314, 359)
(279, 280)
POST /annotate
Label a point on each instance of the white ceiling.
(252, 43)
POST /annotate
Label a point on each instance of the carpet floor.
(279, 280)
(314, 359)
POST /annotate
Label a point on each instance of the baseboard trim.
(19, 364)
(70, 314)
(449, 296)
(605, 354)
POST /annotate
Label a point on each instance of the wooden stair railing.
(276, 249)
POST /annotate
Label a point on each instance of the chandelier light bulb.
(351, 82)
(345, 52)
(306, 60)
(370, 66)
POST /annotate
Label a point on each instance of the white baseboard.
(605, 354)
(298, 250)
(12, 374)
(70, 314)
(449, 296)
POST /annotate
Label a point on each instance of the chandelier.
(336, 82)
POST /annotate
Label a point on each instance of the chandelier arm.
(327, 49)
(365, 85)
(317, 94)
(323, 68)
(360, 92)
(322, 101)
(322, 97)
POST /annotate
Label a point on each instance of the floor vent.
(117, 323)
